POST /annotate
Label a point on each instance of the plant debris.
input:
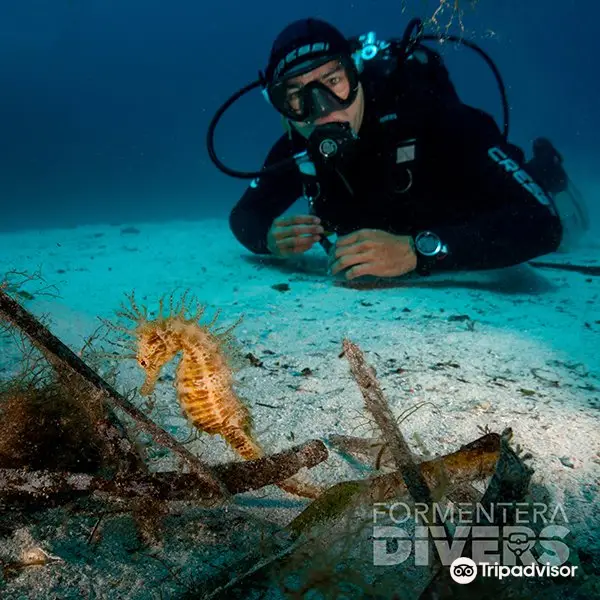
(281, 287)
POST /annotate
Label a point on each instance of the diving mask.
(333, 87)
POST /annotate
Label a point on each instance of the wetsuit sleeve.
(265, 199)
(511, 219)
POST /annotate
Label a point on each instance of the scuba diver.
(392, 163)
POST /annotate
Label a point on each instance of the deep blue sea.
(104, 105)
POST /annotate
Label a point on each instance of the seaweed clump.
(46, 427)
(49, 414)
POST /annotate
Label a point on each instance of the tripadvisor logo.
(464, 570)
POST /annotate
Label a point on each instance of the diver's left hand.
(373, 252)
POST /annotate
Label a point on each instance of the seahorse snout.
(148, 386)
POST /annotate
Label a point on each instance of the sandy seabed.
(512, 348)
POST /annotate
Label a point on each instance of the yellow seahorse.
(204, 380)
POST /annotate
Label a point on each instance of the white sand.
(526, 358)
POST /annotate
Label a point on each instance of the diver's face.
(333, 77)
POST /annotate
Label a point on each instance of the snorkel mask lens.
(333, 87)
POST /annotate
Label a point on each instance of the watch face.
(428, 244)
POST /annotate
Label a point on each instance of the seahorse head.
(157, 341)
(157, 345)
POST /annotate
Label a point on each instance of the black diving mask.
(334, 87)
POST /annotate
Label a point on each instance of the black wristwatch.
(430, 250)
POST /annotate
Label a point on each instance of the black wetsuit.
(424, 161)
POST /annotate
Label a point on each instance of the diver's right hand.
(294, 235)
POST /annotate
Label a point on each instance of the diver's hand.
(373, 252)
(293, 235)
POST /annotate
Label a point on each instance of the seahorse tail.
(242, 443)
